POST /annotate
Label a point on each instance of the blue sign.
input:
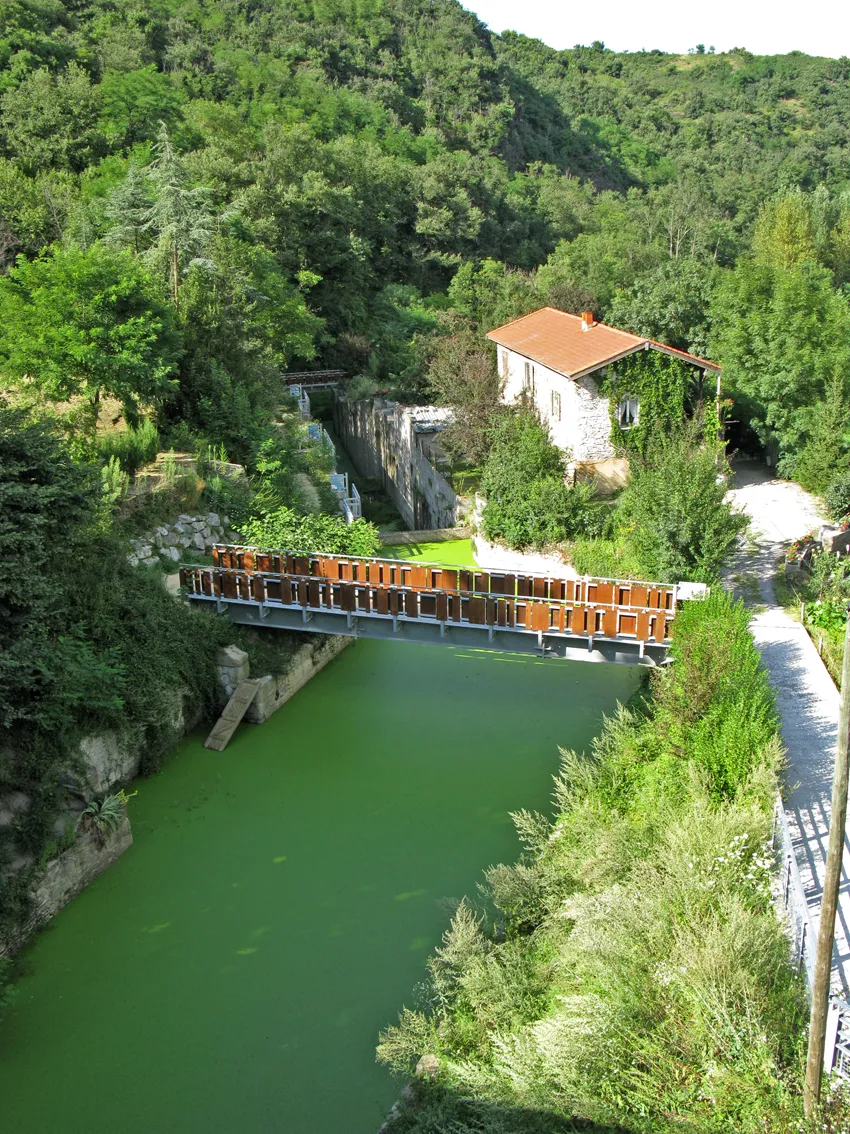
(314, 431)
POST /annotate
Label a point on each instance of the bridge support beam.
(464, 635)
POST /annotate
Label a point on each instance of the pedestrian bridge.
(604, 620)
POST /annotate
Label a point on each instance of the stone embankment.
(496, 557)
(188, 535)
(274, 691)
(108, 761)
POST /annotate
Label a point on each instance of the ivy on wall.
(667, 389)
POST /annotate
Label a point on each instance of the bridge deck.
(587, 618)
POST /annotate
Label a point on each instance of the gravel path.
(807, 698)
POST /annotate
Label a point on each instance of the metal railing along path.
(804, 938)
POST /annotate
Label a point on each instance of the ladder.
(234, 711)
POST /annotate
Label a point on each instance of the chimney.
(586, 320)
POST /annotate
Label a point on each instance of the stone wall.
(383, 440)
(434, 535)
(188, 535)
(109, 760)
(274, 692)
(65, 876)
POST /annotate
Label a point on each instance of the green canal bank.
(232, 970)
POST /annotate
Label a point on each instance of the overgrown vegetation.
(86, 641)
(630, 970)
(290, 183)
(673, 515)
(528, 500)
(288, 530)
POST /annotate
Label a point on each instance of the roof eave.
(693, 359)
(608, 361)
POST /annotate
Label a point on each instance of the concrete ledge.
(436, 535)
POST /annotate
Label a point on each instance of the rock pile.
(169, 542)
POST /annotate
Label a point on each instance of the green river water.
(232, 970)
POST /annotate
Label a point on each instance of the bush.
(288, 531)
(837, 497)
(674, 513)
(528, 502)
(132, 448)
(635, 974)
(86, 641)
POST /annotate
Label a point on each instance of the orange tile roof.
(556, 339)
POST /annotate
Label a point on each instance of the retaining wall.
(274, 692)
(64, 877)
(383, 440)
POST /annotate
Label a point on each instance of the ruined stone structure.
(392, 443)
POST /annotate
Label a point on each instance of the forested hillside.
(280, 183)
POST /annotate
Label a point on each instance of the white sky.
(765, 27)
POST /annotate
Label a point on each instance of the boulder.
(108, 761)
(213, 520)
(231, 656)
(428, 1066)
(12, 804)
(198, 541)
(172, 584)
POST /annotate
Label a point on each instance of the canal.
(232, 970)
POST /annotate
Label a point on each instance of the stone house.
(560, 361)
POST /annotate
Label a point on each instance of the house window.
(627, 412)
(528, 380)
(556, 406)
(503, 363)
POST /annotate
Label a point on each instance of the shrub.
(103, 816)
(674, 512)
(635, 975)
(289, 531)
(528, 502)
(837, 497)
(86, 641)
(132, 448)
(114, 483)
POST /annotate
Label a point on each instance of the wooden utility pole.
(829, 900)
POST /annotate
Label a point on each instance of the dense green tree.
(50, 121)
(134, 103)
(674, 512)
(46, 498)
(491, 293)
(179, 216)
(529, 502)
(784, 234)
(823, 458)
(82, 324)
(782, 336)
(669, 303)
